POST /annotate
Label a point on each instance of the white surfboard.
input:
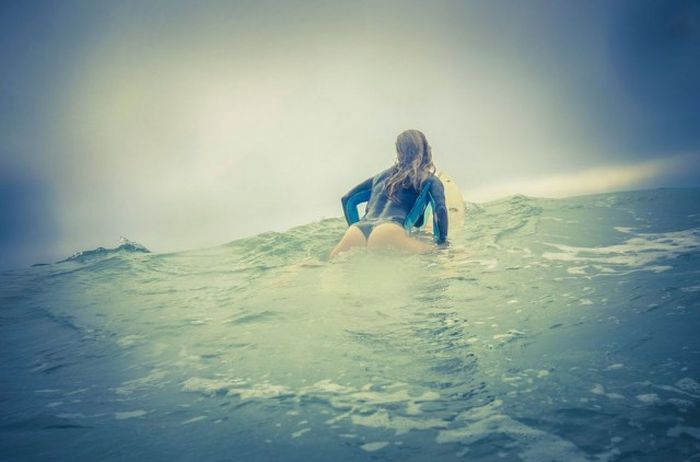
(455, 207)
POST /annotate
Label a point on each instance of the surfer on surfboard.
(396, 200)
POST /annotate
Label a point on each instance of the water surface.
(562, 330)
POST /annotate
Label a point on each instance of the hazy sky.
(190, 124)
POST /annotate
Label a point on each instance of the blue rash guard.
(381, 208)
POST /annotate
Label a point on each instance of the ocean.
(549, 330)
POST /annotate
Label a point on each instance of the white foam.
(155, 378)
(636, 253)
(232, 387)
(357, 401)
(78, 391)
(193, 420)
(598, 389)
(489, 264)
(509, 335)
(623, 229)
(535, 445)
(300, 432)
(648, 398)
(129, 340)
(689, 385)
(376, 446)
(263, 390)
(208, 386)
(399, 424)
(130, 414)
(328, 386)
(480, 412)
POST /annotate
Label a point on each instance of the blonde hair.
(414, 162)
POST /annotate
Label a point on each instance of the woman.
(392, 194)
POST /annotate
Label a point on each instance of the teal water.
(551, 330)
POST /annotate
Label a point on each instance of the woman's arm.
(437, 190)
(361, 193)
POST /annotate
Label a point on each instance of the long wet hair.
(414, 162)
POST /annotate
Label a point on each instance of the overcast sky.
(189, 124)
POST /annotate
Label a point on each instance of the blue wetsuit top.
(381, 208)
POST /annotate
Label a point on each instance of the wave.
(551, 329)
(486, 224)
(125, 247)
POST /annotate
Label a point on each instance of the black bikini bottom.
(367, 226)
